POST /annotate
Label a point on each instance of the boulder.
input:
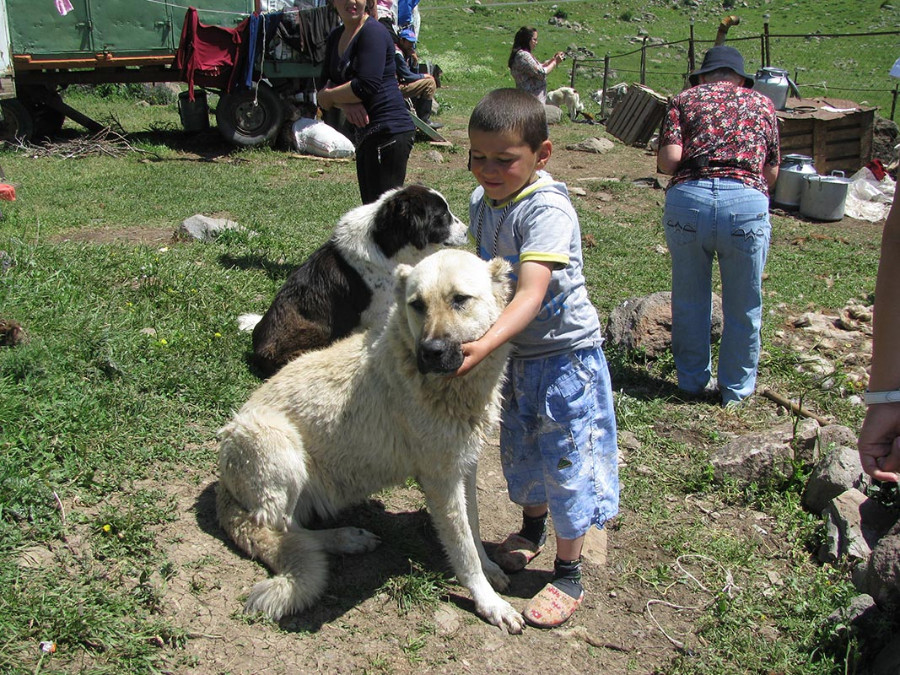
(761, 457)
(554, 114)
(855, 525)
(204, 228)
(883, 575)
(645, 324)
(838, 471)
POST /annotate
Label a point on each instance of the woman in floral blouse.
(529, 73)
(720, 143)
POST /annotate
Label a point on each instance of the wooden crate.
(638, 116)
(835, 140)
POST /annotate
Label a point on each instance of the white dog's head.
(449, 298)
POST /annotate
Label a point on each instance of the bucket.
(194, 114)
(823, 197)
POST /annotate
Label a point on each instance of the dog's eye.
(459, 300)
(417, 305)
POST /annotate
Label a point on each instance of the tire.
(47, 121)
(17, 123)
(37, 99)
(245, 117)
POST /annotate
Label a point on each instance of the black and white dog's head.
(403, 226)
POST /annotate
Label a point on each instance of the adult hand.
(356, 114)
(879, 442)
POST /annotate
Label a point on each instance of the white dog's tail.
(295, 556)
(247, 322)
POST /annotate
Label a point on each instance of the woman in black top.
(360, 79)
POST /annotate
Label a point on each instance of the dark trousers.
(381, 163)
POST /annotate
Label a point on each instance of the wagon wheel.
(249, 118)
(17, 124)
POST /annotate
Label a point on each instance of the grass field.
(132, 360)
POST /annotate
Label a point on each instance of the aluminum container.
(824, 197)
(793, 169)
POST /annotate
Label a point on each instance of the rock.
(856, 524)
(435, 156)
(835, 435)
(446, 620)
(645, 324)
(754, 458)
(595, 145)
(888, 660)
(594, 550)
(883, 574)
(204, 228)
(862, 615)
(838, 471)
(554, 114)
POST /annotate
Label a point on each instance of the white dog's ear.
(401, 274)
(500, 278)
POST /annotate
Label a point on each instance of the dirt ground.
(623, 625)
(357, 627)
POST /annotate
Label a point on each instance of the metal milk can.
(774, 83)
(793, 169)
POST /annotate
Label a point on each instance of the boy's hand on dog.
(473, 354)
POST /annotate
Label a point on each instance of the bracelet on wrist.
(874, 397)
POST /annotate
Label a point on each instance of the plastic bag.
(314, 137)
(869, 198)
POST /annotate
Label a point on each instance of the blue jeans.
(721, 218)
(558, 439)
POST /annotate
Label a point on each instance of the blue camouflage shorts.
(558, 439)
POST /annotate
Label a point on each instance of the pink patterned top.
(735, 128)
(529, 74)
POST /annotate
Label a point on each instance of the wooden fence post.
(605, 86)
(644, 60)
(894, 101)
(692, 54)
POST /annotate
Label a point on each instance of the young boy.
(558, 431)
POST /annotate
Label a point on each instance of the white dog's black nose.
(438, 356)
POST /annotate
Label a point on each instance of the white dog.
(566, 96)
(335, 426)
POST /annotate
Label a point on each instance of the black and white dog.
(347, 283)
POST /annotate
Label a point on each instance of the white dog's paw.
(348, 540)
(497, 577)
(501, 613)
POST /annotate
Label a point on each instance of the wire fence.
(821, 65)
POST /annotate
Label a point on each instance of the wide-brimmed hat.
(408, 33)
(721, 56)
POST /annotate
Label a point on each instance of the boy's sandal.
(516, 552)
(551, 607)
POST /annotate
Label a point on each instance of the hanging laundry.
(208, 55)
(64, 7)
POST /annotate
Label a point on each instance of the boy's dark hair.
(511, 110)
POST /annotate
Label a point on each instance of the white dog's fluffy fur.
(566, 96)
(335, 426)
